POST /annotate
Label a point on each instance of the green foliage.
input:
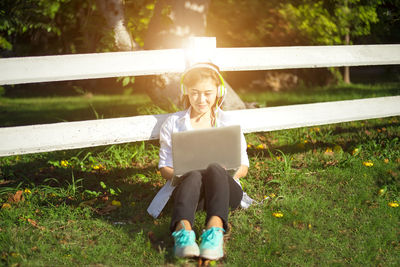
(28, 17)
(328, 22)
(4, 44)
(65, 26)
(296, 22)
(138, 14)
(247, 23)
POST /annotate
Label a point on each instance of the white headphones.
(221, 92)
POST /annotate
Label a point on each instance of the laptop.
(196, 149)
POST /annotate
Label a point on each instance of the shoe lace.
(212, 236)
(182, 237)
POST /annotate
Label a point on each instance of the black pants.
(212, 190)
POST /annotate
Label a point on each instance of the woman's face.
(202, 96)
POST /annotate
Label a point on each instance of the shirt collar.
(185, 119)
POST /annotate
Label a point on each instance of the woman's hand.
(241, 172)
(167, 173)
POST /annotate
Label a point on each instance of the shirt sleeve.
(165, 153)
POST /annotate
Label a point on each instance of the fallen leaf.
(17, 197)
(331, 163)
(6, 206)
(34, 224)
(3, 182)
(151, 236)
(90, 202)
(107, 209)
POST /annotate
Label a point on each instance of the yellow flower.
(98, 167)
(381, 191)
(328, 150)
(277, 214)
(368, 163)
(14, 255)
(64, 163)
(355, 151)
(272, 195)
(116, 203)
(260, 146)
(27, 191)
(248, 145)
(393, 204)
(386, 161)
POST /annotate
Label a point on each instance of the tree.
(15, 21)
(332, 22)
(113, 11)
(46, 27)
(172, 23)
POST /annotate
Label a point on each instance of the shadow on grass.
(347, 145)
(305, 96)
(136, 194)
(138, 186)
(30, 115)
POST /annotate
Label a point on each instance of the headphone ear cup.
(221, 91)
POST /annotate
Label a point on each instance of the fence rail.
(117, 64)
(69, 135)
(60, 136)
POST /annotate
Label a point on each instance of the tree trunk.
(172, 23)
(113, 12)
(346, 77)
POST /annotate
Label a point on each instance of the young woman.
(211, 189)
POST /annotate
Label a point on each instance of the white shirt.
(179, 122)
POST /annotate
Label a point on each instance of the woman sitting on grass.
(211, 189)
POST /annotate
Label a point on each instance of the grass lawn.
(331, 192)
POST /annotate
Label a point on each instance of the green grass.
(305, 94)
(335, 208)
(28, 111)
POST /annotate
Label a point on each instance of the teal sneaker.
(212, 240)
(185, 244)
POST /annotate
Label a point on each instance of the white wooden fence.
(60, 136)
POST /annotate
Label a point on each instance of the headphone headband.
(221, 92)
(202, 65)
